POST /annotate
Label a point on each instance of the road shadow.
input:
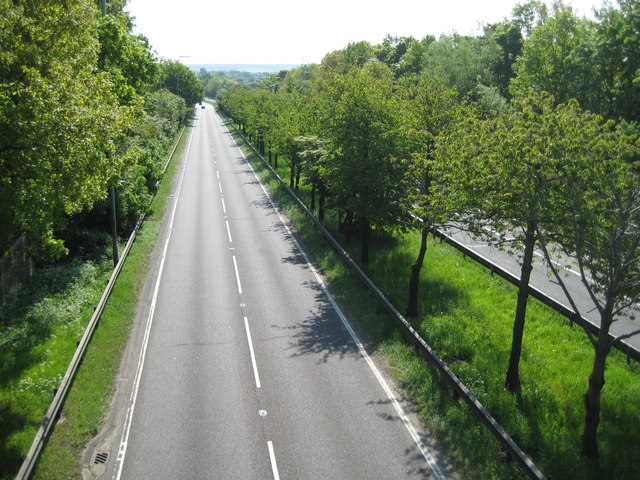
(321, 333)
(416, 463)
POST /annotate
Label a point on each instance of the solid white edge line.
(405, 420)
(272, 457)
(122, 450)
(235, 266)
(252, 353)
(228, 231)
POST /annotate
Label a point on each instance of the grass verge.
(89, 397)
(467, 316)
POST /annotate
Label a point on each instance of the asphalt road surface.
(243, 368)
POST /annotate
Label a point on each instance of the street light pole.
(112, 190)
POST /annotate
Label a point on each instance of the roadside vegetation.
(84, 109)
(466, 316)
(88, 401)
(530, 127)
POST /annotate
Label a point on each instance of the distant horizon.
(243, 67)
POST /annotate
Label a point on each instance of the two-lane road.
(246, 369)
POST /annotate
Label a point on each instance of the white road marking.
(217, 174)
(272, 457)
(253, 356)
(122, 451)
(390, 395)
(220, 187)
(563, 267)
(228, 231)
(224, 207)
(235, 266)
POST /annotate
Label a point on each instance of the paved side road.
(542, 280)
(240, 365)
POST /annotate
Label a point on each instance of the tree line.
(84, 105)
(526, 135)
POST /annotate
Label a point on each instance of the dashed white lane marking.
(122, 451)
(224, 207)
(235, 266)
(220, 187)
(272, 457)
(253, 355)
(424, 450)
(228, 231)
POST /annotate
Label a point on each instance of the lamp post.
(112, 190)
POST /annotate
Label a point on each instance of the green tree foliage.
(547, 63)
(596, 194)
(60, 118)
(412, 61)
(465, 62)
(362, 124)
(128, 58)
(508, 36)
(594, 62)
(430, 109)
(617, 56)
(181, 81)
(494, 172)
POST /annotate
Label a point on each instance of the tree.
(127, 57)
(288, 123)
(465, 62)
(617, 53)
(60, 119)
(181, 81)
(313, 152)
(546, 61)
(431, 108)
(495, 173)
(597, 190)
(508, 37)
(361, 122)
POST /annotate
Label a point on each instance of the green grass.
(467, 316)
(40, 328)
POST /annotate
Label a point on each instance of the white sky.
(298, 32)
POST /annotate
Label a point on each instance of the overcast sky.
(299, 32)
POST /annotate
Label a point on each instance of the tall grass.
(39, 328)
(467, 317)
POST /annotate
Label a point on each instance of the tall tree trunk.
(512, 382)
(276, 161)
(321, 205)
(596, 382)
(298, 172)
(414, 280)
(365, 233)
(269, 156)
(313, 198)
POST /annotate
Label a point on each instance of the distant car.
(202, 106)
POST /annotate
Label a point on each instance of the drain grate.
(101, 458)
